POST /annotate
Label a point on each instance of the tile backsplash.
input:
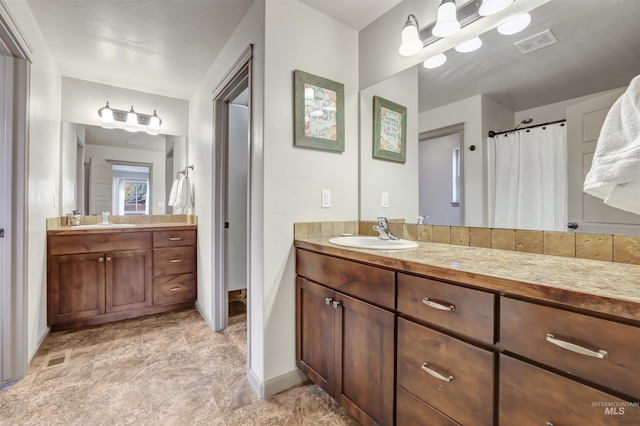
(611, 248)
(56, 222)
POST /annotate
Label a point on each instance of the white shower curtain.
(531, 178)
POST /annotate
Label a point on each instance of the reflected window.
(455, 177)
(135, 197)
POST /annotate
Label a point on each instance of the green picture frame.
(319, 112)
(389, 130)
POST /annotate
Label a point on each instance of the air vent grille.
(538, 41)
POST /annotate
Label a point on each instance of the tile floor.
(168, 369)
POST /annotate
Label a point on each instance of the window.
(135, 197)
(455, 177)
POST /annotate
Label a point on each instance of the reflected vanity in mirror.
(509, 79)
(112, 170)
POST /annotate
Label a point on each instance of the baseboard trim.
(284, 382)
(204, 315)
(37, 348)
(256, 383)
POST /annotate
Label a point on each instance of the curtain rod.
(492, 133)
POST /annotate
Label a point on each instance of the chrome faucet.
(384, 233)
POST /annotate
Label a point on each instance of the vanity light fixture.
(469, 45)
(435, 61)
(134, 121)
(515, 25)
(447, 22)
(490, 7)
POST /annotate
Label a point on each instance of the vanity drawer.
(185, 237)
(525, 330)
(373, 284)
(532, 396)
(459, 309)
(174, 289)
(170, 261)
(422, 353)
(410, 411)
(98, 242)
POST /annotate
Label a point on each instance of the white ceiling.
(163, 47)
(357, 14)
(120, 138)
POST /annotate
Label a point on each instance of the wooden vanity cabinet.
(101, 277)
(345, 344)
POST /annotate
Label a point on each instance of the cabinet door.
(76, 287)
(129, 280)
(364, 359)
(315, 333)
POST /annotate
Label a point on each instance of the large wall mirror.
(453, 107)
(124, 173)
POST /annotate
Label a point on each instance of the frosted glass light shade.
(515, 25)
(469, 45)
(435, 61)
(447, 23)
(132, 117)
(106, 114)
(489, 7)
(154, 121)
(411, 43)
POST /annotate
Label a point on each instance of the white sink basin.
(373, 243)
(113, 225)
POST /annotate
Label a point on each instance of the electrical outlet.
(385, 200)
(326, 198)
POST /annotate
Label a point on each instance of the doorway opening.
(231, 224)
(440, 174)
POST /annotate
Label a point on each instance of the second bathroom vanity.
(102, 274)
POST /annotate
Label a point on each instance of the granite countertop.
(67, 230)
(608, 288)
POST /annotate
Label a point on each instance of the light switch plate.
(385, 199)
(326, 198)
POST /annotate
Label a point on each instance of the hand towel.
(615, 171)
(174, 191)
(183, 197)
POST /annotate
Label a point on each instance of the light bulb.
(447, 23)
(515, 25)
(435, 61)
(469, 45)
(489, 7)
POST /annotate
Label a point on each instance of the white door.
(5, 261)
(100, 186)
(584, 121)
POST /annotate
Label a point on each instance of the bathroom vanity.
(98, 275)
(450, 335)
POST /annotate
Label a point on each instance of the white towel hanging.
(174, 191)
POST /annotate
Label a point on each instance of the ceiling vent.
(538, 41)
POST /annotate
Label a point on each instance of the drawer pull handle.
(328, 301)
(175, 288)
(336, 304)
(437, 305)
(108, 258)
(175, 239)
(101, 259)
(575, 348)
(175, 260)
(435, 374)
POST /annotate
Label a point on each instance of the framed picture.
(389, 130)
(319, 112)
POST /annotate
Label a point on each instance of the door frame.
(14, 355)
(237, 79)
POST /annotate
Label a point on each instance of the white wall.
(469, 112)
(249, 31)
(399, 180)
(81, 100)
(237, 195)
(299, 37)
(68, 168)
(44, 167)
(157, 158)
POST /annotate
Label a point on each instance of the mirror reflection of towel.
(174, 192)
(615, 170)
